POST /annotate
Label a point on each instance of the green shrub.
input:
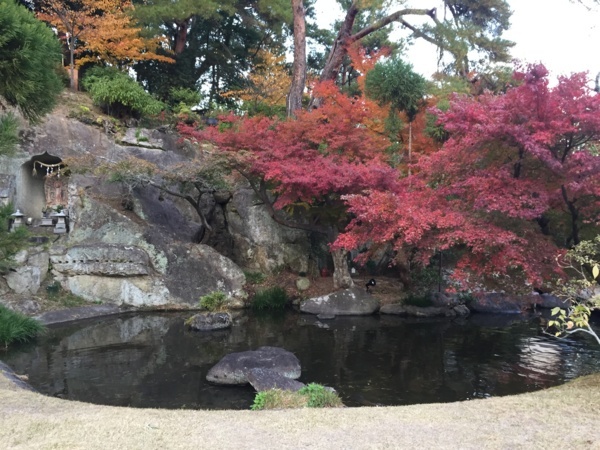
(214, 301)
(426, 279)
(255, 277)
(319, 397)
(16, 327)
(311, 396)
(278, 399)
(422, 301)
(119, 94)
(274, 298)
(189, 97)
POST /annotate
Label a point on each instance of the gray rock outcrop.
(347, 302)
(31, 271)
(138, 246)
(142, 137)
(102, 259)
(209, 321)
(260, 242)
(233, 368)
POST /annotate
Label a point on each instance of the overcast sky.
(558, 33)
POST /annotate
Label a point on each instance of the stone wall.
(146, 256)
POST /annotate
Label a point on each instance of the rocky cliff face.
(146, 256)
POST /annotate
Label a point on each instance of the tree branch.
(398, 17)
(186, 197)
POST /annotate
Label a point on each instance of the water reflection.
(152, 361)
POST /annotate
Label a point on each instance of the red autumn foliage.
(319, 156)
(514, 163)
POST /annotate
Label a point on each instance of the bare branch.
(398, 17)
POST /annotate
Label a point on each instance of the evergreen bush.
(30, 61)
(16, 327)
(255, 277)
(274, 298)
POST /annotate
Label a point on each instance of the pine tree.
(29, 58)
(29, 63)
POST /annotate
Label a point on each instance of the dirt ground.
(387, 289)
(564, 417)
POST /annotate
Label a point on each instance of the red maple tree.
(304, 166)
(517, 170)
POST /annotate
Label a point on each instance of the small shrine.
(43, 192)
(55, 186)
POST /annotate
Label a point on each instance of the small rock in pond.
(325, 316)
(209, 321)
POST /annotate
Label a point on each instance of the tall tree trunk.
(339, 49)
(72, 63)
(341, 274)
(574, 238)
(181, 36)
(294, 100)
(409, 147)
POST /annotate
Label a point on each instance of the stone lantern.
(61, 224)
(17, 220)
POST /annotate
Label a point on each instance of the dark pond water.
(152, 361)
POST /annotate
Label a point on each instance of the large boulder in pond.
(501, 303)
(233, 368)
(552, 301)
(267, 379)
(441, 299)
(347, 302)
(209, 321)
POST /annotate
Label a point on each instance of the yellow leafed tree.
(268, 83)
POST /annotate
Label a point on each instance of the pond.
(151, 360)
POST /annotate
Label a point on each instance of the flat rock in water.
(232, 369)
(266, 379)
(348, 302)
(82, 312)
(417, 311)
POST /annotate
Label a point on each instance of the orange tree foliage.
(305, 165)
(512, 165)
(99, 30)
